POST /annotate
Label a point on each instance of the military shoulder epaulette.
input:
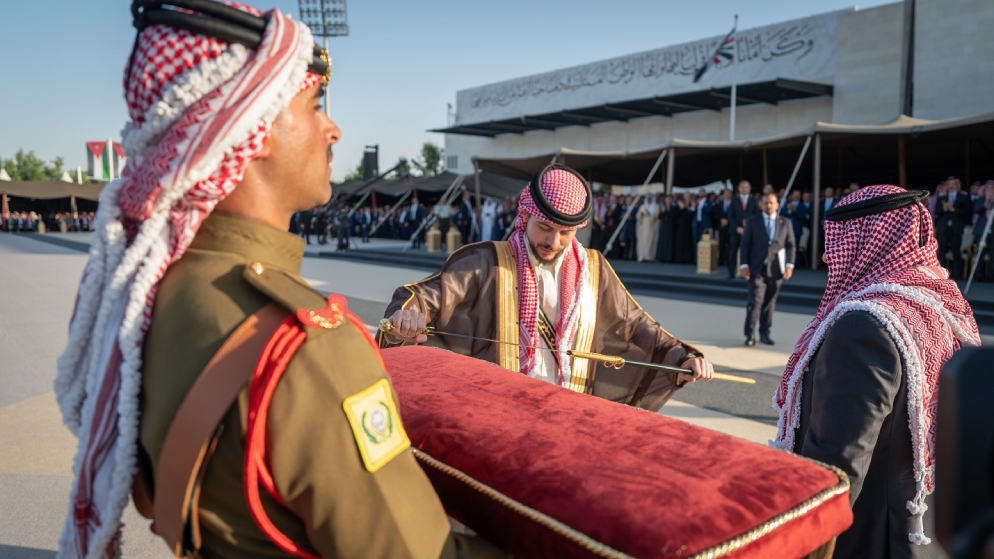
(291, 292)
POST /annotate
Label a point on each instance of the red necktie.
(743, 203)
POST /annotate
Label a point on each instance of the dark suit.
(826, 204)
(854, 416)
(760, 254)
(720, 213)
(949, 228)
(798, 217)
(704, 214)
(737, 216)
(413, 222)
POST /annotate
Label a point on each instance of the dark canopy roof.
(491, 184)
(51, 190)
(714, 99)
(934, 149)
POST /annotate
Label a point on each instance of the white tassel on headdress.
(904, 340)
(115, 294)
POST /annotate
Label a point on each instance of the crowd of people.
(29, 222)
(660, 227)
(664, 227)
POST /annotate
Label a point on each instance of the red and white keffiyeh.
(876, 264)
(567, 193)
(200, 110)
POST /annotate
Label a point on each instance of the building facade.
(927, 58)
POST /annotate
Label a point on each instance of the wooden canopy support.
(671, 158)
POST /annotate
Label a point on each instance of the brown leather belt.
(195, 427)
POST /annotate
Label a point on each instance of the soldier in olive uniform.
(191, 242)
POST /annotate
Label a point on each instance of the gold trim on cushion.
(598, 548)
(507, 307)
(544, 520)
(769, 526)
(586, 326)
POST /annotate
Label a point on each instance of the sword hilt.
(608, 360)
(386, 325)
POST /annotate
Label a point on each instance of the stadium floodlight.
(326, 18)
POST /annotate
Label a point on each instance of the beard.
(541, 260)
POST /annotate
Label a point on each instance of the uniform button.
(257, 268)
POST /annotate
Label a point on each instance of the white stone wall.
(868, 66)
(954, 58)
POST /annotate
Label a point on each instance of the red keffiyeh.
(886, 264)
(200, 111)
(568, 194)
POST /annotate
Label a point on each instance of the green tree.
(30, 167)
(430, 161)
(403, 169)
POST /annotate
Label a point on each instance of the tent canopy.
(491, 184)
(51, 190)
(934, 149)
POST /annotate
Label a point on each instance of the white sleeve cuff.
(743, 267)
(790, 266)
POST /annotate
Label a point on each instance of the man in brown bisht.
(226, 140)
(524, 303)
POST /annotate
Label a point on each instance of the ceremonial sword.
(612, 361)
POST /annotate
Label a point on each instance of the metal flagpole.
(642, 191)
(735, 77)
(797, 167)
(980, 250)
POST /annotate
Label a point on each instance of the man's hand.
(701, 368)
(408, 327)
(724, 222)
(744, 272)
(739, 230)
(787, 273)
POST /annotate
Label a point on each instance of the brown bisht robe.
(475, 294)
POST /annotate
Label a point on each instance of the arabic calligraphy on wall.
(797, 49)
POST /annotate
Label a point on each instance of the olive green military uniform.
(333, 503)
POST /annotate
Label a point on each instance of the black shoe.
(765, 338)
(750, 341)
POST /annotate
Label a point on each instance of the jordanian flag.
(722, 55)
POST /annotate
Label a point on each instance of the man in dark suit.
(703, 215)
(952, 212)
(768, 251)
(722, 207)
(413, 218)
(828, 201)
(741, 208)
(365, 219)
(797, 212)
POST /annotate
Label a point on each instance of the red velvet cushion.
(634, 481)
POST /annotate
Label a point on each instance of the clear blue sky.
(61, 61)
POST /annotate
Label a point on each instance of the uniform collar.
(253, 239)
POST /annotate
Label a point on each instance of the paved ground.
(39, 281)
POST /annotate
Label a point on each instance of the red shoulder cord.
(279, 350)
